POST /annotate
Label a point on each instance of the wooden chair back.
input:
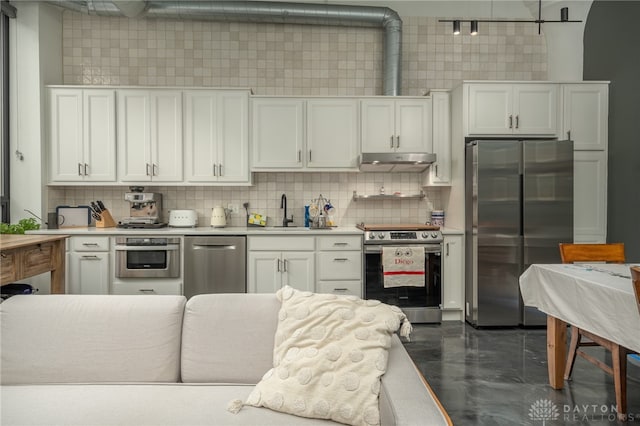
(611, 253)
(635, 277)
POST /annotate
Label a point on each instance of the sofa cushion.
(133, 404)
(84, 338)
(329, 354)
(228, 338)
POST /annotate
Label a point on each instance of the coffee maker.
(145, 209)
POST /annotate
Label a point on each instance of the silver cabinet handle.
(447, 253)
(340, 259)
(436, 170)
(146, 290)
(341, 290)
(154, 170)
(220, 169)
(90, 244)
(397, 141)
(147, 169)
(340, 244)
(285, 263)
(215, 169)
(86, 166)
(278, 266)
(391, 145)
(309, 155)
(511, 121)
(299, 155)
(90, 257)
(79, 169)
(517, 121)
(569, 135)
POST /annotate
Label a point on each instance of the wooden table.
(23, 256)
(598, 298)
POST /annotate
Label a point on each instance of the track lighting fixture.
(564, 17)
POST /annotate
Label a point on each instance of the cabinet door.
(590, 196)
(413, 125)
(332, 133)
(99, 135)
(535, 109)
(298, 270)
(440, 171)
(166, 136)
(278, 133)
(65, 135)
(200, 143)
(452, 273)
(233, 137)
(134, 138)
(378, 125)
(490, 109)
(264, 274)
(89, 273)
(585, 117)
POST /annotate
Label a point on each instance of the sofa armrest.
(405, 396)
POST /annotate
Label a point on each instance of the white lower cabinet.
(274, 262)
(590, 196)
(339, 265)
(147, 286)
(453, 273)
(89, 266)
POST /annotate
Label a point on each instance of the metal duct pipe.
(276, 12)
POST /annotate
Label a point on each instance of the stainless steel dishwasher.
(215, 265)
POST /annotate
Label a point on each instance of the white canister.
(437, 217)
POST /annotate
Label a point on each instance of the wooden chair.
(635, 278)
(611, 253)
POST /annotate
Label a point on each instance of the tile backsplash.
(264, 197)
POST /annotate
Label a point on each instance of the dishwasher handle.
(213, 247)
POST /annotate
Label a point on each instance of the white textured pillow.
(329, 354)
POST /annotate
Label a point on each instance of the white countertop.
(208, 230)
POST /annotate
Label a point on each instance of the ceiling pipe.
(267, 12)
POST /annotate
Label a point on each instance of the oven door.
(140, 261)
(429, 296)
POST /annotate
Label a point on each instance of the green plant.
(20, 227)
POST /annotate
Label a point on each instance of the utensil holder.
(106, 220)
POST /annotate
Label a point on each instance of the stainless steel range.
(421, 303)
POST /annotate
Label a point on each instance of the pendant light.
(564, 17)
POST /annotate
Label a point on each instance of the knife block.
(106, 220)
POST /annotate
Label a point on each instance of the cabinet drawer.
(347, 242)
(273, 243)
(156, 287)
(9, 266)
(90, 243)
(339, 265)
(346, 287)
(37, 260)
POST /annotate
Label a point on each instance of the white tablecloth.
(596, 297)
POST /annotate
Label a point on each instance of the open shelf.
(357, 197)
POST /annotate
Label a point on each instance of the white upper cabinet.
(149, 135)
(506, 109)
(585, 115)
(82, 135)
(440, 172)
(590, 196)
(216, 136)
(396, 125)
(332, 133)
(278, 133)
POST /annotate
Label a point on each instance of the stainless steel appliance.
(420, 304)
(519, 198)
(215, 265)
(145, 210)
(396, 161)
(147, 257)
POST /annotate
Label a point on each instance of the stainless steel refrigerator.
(519, 206)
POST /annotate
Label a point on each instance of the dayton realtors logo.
(545, 410)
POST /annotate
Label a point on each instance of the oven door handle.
(428, 248)
(171, 247)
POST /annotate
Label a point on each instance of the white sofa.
(160, 360)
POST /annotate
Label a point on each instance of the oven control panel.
(407, 237)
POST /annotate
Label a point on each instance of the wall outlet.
(233, 208)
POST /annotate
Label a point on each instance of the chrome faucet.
(283, 205)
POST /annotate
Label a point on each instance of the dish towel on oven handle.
(403, 266)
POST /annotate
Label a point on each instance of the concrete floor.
(497, 376)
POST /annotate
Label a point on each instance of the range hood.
(395, 161)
